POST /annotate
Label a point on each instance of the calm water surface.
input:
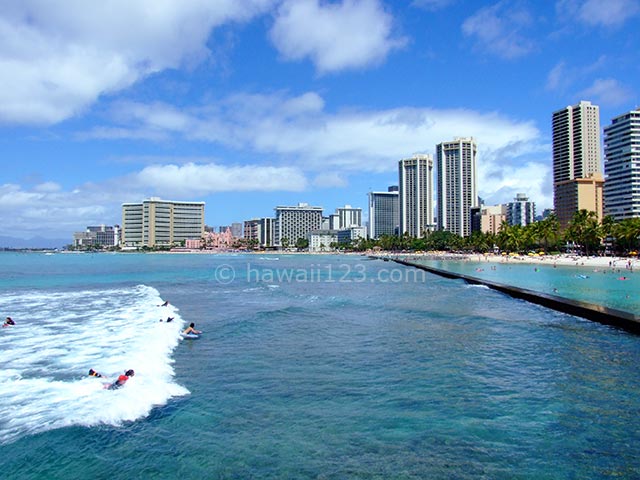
(310, 367)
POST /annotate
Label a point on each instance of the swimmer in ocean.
(122, 379)
(9, 321)
(191, 329)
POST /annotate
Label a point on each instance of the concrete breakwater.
(590, 311)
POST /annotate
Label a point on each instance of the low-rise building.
(103, 236)
(322, 240)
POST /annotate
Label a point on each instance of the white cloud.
(330, 180)
(335, 36)
(557, 79)
(203, 179)
(563, 76)
(51, 211)
(498, 30)
(607, 92)
(605, 13)
(57, 59)
(357, 141)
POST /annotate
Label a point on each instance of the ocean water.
(614, 286)
(324, 367)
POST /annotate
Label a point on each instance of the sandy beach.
(592, 262)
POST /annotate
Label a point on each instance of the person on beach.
(191, 329)
(9, 321)
(93, 373)
(122, 379)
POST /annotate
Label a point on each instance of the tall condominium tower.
(294, 223)
(161, 223)
(416, 195)
(457, 185)
(576, 155)
(622, 166)
(384, 213)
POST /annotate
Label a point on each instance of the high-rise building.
(348, 217)
(384, 213)
(294, 223)
(576, 155)
(156, 222)
(457, 185)
(415, 176)
(622, 166)
(521, 211)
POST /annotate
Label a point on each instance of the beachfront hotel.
(260, 230)
(577, 176)
(97, 236)
(622, 166)
(384, 213)
(294, 223)
(415, 176)
(161, 223)
(457, 185)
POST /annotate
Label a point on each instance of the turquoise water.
(614, 287)
(310, 367)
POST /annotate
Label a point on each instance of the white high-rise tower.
(416, 195)
(622, 166)
(457, 190)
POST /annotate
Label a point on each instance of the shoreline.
(597, 262)
(614, 263)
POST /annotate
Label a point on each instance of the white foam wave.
(59, 336)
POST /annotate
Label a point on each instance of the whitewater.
(59, 336)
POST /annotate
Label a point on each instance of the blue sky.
(251, 104)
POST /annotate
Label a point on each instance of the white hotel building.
(293, 223)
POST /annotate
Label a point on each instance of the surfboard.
(190, 335)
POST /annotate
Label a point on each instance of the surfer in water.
(165, 304)
(93, 373)
(9, 321)
(191, 329)
(122, 379)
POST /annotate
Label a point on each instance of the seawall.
(590, 311)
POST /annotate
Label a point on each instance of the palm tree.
(548, 231)
(584, 229)
(627, 232)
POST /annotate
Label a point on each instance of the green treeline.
(584, 233)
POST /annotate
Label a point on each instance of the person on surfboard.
(191, 329)
(122, 379)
